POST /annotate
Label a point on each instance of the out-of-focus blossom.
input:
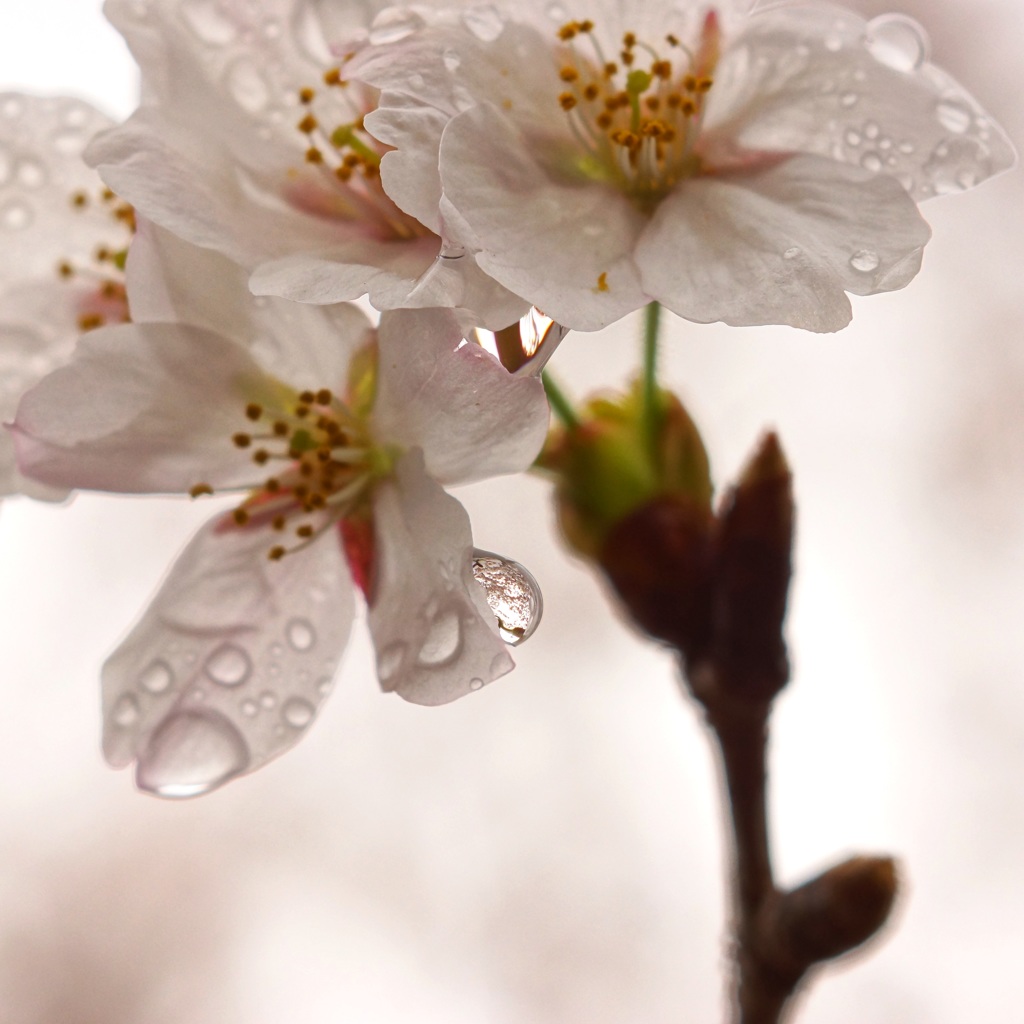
(339, 440)
(750, 169)
(61, 257)
(250, 141)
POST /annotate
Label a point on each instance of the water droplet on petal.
(228, 665)
(485, 21)
(191, 753)
(268, 700)
(16, 215)
(31, 173)
(125, 711)
(512, 593)
(444, 639)
(556, 11)
(249, 708)
(389, 661)
(791, 253)
(953, 116)
(247, 85)
(300, 634)
(476, 684)
(451, 60)
(852, 138)
(298, 713)
(207, 20)
(156, 677)
(871, 162)
(393, 25)
(324, 685)
(865, 260)
(897, 41)
(871, 129)
(848, 99)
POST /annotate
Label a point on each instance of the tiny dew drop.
(865, 260)
(897, 41)
(443, 640)
(300, 634)
(249, 708)
(157, 677)
(791, 253)
(298, 713)
(953, 116)
(871, 162)
(228, 665)
(476, 684)
(125, 711)
(16, 215)
(268, 700)
(393, 25)
(485, 21)
(451, 60)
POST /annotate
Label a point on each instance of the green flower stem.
(560, 405)
(650, 404)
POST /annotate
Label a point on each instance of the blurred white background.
(548, 851)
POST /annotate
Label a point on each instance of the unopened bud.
(753, 566)
(833, 913)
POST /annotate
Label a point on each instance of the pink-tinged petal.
(435, 636)
(41, 169)
(823, 80)
(229, 665)
(469, 415)
(384, 271)
(147, 408)
(566, 249)
(172, 281)
(781, 245)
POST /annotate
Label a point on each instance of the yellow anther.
(568, 74)
(280, 428)
(199, 489)
(672, 40)
(602, 281)
(261, 456)
(308, 124)
(304, 531)
(343, 173)
(79, 199)
(585, 26)
(65, 269)
(352, 160)
(629, 40)
(591, 92)
(704, 83)
(567, 101)
(254, 410)
(302, 411)
(611, 69)
(690, 83)
(241, 440)
(314, 156)
(332, 76)
(102, 254)
(272, 485)
(276, 553)
(627, 57)
(90, 321)
(306, 95)
(240, 516)
(278, 522)
(653, 103)
(324, 397)
(307, 396)
(689, 108)
(604, 120)
(662, 69)
(568, 31)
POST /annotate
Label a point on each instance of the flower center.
(347, 160)
(327, 465)
(636, 119)
(100, 296)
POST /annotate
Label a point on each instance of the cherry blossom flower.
(746, 168)
(63, 245)
(339, 440)
(249, 141)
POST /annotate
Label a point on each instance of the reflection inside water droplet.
(953, 116)
(191, 753)
(228, 665)
(512, 593)
(298, 713)
(897, 41)
(125, 711)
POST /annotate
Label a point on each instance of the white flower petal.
(229, 664)
(807, 79)
(144, 408)
(781, 245)
(435, 635)
(469, 415)
(566, 250)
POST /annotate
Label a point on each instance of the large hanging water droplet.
(512, 593)
(156, 677)
(191, 753)
(897, 41)
(444, 639)
(300, 634)
(298, 713)
(485, 21)
(393, 25)
(865, 260)
(228, 665)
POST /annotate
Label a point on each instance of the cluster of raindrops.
(218, 715)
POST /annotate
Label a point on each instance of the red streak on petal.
(357, 542)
